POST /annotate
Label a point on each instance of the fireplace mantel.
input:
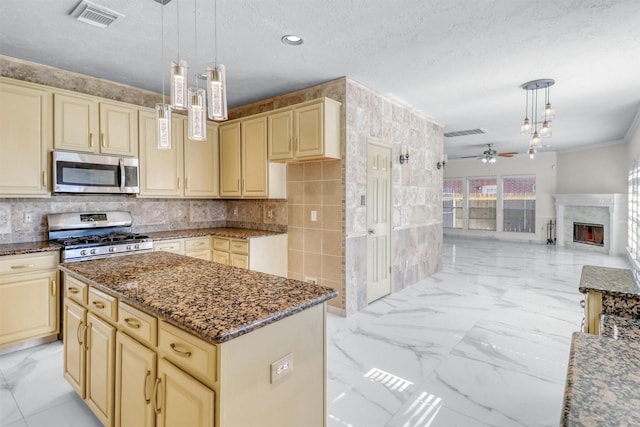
(614, 227)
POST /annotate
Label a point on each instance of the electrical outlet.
(235, 212)
(311, 280)
(281, 367)
(314, 215)
(270, 213)
(27, 217)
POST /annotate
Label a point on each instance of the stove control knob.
(128, 247)
(112, 249)
(137, 246)
(83, 252)
(94, 251)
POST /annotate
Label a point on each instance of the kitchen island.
(159, 338)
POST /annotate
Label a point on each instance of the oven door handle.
(122, 176)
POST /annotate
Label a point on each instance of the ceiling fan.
(490, 155)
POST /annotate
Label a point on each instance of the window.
(519, 204)
(482, 203)
(452, 199)
(634, 212)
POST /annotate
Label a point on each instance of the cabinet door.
(75, 336)
(308, 127)
(25, 135)
(237, 260)
(101, 341)
(280, 135)
(28, 306)
(201, 164)
(254, 157)
(75, 122)
(160, 170)
(221, 257)
(118, 129)
(181, 400)
(135, 375)
(230, 160)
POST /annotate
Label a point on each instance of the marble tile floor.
(484, 342)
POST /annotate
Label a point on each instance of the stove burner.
(96, 240)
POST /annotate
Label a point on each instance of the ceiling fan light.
(484, 160)
(492, 160)
(179, 83)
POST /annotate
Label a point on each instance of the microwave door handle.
(122, 176)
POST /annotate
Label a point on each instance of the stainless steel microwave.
(93, 173)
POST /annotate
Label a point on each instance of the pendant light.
(163, 110)
(179, 69)
(196, 111)
(531, 127)
(216, 80)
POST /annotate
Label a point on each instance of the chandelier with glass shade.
(537, 121)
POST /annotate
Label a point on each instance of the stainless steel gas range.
(91, 235)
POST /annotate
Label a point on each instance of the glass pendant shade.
(549, 112)
(535, 139)
(546, 129)
(163, 118)
(179, 84)
(197, 115)
(532, 152)
(526, 126)
(217, 93)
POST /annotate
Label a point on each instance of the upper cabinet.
(25, 138)
(188, 169)
(306, 131)
(94, 125)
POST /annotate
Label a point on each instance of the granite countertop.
(236, 233)
(213, 301)
(28, 248)
(614, 281)
(603, 382)
(620, 328)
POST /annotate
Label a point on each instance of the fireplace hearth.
(588, 234)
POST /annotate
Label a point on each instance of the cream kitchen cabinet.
(29, 308)
(188, 169)
(89, 347)
(264, 254)
(26, 135)
(306, 131)
(244, 169)
(94, 125)
(197, 247)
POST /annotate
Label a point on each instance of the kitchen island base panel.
(249, 397)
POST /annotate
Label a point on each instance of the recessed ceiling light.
(292, 39)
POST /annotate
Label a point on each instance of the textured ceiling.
(460, 62)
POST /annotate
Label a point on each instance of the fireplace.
(588, 234)
(605, 211)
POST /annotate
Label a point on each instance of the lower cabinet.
(229, 251)
(29, 307)
(100, 347)
(592, 312)
(196, 247)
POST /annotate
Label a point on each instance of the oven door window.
(87, 174)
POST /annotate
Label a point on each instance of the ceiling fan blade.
(470, 157)
(509, 154)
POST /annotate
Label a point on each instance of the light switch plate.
(281, 368)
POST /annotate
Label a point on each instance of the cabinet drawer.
(75, 289)
(221, 257)
(105, 305)
(188, 352)
(239, 247)
(197, 244)
(175, 246)
(137, 324)
(238, 260)
(14, 264)
(221, 244)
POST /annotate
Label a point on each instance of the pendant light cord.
(195, 43)
(178, 27)
(162, 46)
(215, 32)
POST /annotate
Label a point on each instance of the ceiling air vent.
(94, 14)
(478, 131)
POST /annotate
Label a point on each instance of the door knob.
(371, 231)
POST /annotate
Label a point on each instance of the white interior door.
(378, 221)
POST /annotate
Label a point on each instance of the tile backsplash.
(25, 219)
